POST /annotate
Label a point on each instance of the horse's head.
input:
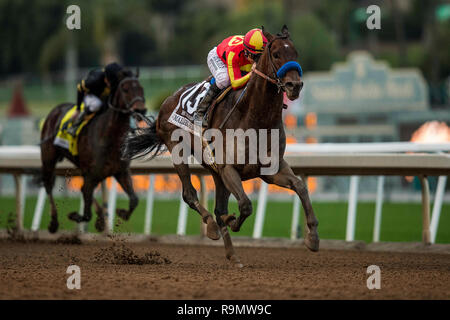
(281, 57)
(128, 95)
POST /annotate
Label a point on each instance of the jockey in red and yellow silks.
(231, 52)
(230, 63)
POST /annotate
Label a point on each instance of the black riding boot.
(73, 129)
(199, 116)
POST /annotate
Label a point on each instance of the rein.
(128, 104)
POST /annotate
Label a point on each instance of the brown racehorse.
(99, 144)
(259, 108)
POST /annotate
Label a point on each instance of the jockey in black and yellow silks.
(92, 91)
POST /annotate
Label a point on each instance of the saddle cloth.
(183, 114)
(66, 140)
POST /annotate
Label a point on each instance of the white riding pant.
(92, 102)
(218, 69)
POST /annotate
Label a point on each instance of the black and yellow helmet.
(112, 73)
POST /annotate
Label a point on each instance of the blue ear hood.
(289, 66)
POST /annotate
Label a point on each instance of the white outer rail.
(315, 158)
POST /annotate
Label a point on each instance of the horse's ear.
(266, 34)
(137, 72)
(285, 31)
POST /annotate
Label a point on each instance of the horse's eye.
(276, 55)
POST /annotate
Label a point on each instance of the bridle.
(281, 72)
(128, 104)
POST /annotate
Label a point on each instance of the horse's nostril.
(289, 85)
(294, 85)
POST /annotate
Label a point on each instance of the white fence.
(305, 160)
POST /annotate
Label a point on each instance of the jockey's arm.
(92, 88)
(234, 71)
(81, 90)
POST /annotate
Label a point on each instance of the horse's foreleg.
(100, 222)
(88, 189)
(49, 183)
(221, 209)
(124, 179)
(287, 179)
(233, 183)
(190, 197)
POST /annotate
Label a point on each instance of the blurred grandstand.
(360, 85)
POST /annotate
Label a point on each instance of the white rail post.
(440, 191)
(182, 217)
(378, 209)
(82, 226)
(295, 217)
(351, 213)
(38, 210)
(149, 205)
(425, 210)
(23, 194)
(260, 211)
(19, 204)
(112, 201)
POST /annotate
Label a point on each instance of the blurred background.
(361, 85)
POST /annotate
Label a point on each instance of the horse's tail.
(142, 141)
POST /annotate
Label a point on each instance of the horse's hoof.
(53, 226)
(229, 219)
(212, 230)
(74, 216)
(234, 226)
(123, 214)
(235, 260)
(100, 224)
(312, 242)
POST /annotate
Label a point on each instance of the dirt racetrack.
(153, 270)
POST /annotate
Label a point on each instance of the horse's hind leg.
(124, 179)
(48, 177)
(221, 209)
(233, 182)
(190, 197)
(100, 222)
(287, 179)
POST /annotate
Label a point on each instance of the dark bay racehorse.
(259, 108)
(99, 144)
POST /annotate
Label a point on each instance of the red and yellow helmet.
(255, 41)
